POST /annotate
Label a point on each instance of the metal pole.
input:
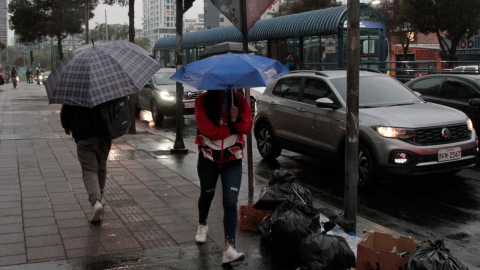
(106, 24)
(87, 18)
(51, 54)
(179, 146)
(351, 149)
(247, 96)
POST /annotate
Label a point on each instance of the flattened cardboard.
(378, 249)
(250, 218)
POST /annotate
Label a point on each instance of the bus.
(317, 39)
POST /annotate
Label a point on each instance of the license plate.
(449, 154)
(189, 105)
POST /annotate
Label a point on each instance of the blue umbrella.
(230, 71)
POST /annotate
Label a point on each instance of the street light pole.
(247, 96)
(87, 18)
(179, 145)
(352, 138)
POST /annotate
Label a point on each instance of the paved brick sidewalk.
(151, 195)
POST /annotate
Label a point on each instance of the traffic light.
(31, 56)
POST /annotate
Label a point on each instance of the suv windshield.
(378, 92)
(163, 79)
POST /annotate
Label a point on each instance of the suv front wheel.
(266, 142)
(366, 175)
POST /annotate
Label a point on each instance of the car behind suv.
(305, 112)
(159, 96)
(459, 91)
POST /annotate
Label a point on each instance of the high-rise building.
(158, 19)
(213, 17)
(3, 22)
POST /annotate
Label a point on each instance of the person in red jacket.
(220, 141)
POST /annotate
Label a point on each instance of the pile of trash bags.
(317, 238)
(433, 256)
(297, 229)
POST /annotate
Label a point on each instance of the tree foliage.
(131, 14)
(34, 20)
(452, 21)
(144, 42)
(115, 32)
(299, 6)
(397, 26)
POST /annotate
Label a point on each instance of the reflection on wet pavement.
(435, 206)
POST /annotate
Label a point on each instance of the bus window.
(311, 49)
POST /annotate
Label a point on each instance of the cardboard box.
(250, 218)
(376, 252)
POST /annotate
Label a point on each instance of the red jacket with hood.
(216, 143)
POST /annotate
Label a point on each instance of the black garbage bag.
(265, 226)
(282, 176)
(291, 223)
(433, 256)
(337, 219)
(325, 252)
(282, 188)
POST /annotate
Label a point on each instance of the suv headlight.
(470, 124)
(165, 95)
(398, 133)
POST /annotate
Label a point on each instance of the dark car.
(459, 91)
(159, 96)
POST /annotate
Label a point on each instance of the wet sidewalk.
(151, 212)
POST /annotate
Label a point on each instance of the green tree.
(397, 25)
(19, 60)
(299, 6)
(131, 15)
(452, 21)
(34, 20)
(144, 42)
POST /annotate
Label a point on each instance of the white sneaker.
(231, 255)
(201, 236)
(103, 201)
(97, 211)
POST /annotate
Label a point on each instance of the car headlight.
(398, 133)
(470, 124)
(165, 95)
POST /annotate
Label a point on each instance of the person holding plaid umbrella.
(82, 82)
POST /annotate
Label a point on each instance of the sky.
(117, 14)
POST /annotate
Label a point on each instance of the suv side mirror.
(326, 103)
(474, 102)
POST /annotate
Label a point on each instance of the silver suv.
(400, 133)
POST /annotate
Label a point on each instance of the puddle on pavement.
(31, 98)
(46, 112)
(28, 136)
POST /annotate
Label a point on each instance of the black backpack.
(117, 114)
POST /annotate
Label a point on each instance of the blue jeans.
(231, 175)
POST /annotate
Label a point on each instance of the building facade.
(194, 25)
(4, 22)
(158, 19)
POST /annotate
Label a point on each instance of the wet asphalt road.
(433, 207)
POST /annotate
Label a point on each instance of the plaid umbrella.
(96, 74)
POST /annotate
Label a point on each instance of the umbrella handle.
(232, 91)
